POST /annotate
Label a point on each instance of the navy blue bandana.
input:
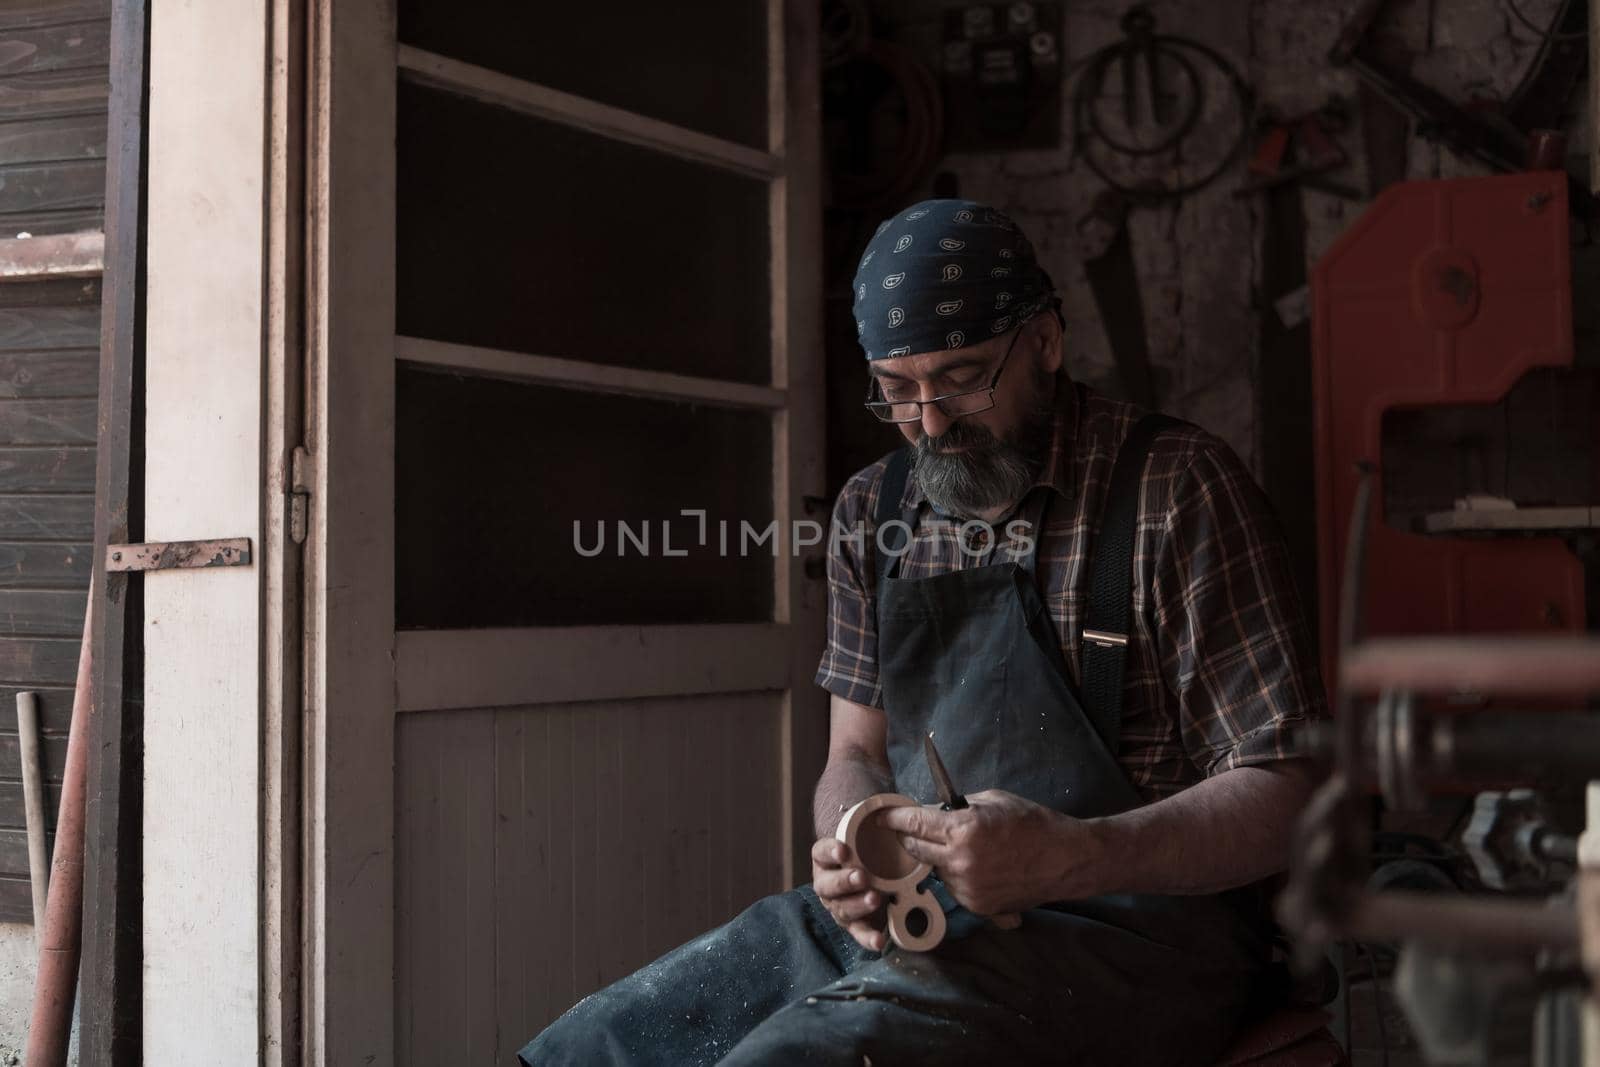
(945, 274)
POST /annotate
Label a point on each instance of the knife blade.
(949, 799)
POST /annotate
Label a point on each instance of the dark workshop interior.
(521, 721)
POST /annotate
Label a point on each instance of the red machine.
(1427, 314)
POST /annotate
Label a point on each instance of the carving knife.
(949, 799)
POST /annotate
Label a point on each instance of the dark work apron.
(973, 656)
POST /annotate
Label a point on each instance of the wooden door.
(567, 282)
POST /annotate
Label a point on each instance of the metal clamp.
(172, 555)
(1105, 638)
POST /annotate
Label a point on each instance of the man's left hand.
(1002, 853)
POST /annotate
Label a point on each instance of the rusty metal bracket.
(171, 555)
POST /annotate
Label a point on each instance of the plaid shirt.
(1220, 664)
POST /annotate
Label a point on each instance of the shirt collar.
(1057, 472)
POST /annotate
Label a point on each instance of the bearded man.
(1091, 608)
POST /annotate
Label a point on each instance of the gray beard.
(992, 473)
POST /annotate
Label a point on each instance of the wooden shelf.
(1508, 521)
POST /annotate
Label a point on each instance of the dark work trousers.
(784, 984)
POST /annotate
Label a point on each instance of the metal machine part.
(1407, 752)
(1002, 68)
(1147, 138)
(1514, 846)
(1327, 898)
(1450, 1000)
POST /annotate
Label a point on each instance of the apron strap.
(1105, 629)
(890, 490)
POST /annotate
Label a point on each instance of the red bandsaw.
(1444, 293)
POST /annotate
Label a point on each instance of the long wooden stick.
(51, 1025)
(33, 805)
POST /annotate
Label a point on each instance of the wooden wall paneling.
(31, 189)
(50, 94)
(42, 613)
(446, 855)
(706, 736)
(417, 892)
(560, 828)
(69, 46)
(75, 137)
(47, 517)
(49, 315)
(16, 899)
(67, 469)
(23, 13)
(660, 887)
(521, 873)
(541, 854)
(65, 221)
(474, 827)
(54, 754)
(11, 806)
(24, 564)
(55, 711)
(586, 863)
(49, 374)
(755, 820)
(48, 422)
(38, 659)
(616, 912)
(14, 849)
(79, 294)
(685, 861)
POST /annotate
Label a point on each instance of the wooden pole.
(50, 1028)
(33, 805)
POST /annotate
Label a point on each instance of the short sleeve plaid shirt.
(1220, 666)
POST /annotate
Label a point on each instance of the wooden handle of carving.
(1008, 920)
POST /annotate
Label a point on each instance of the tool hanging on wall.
(1107, 254)
(1154, 138)
(1497, 138)
(1146, 123)
(1300, 150)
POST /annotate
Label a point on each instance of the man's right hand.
(841, 885)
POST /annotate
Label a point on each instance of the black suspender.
(1110, 586)
(1105, 626)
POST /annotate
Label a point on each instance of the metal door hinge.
(170, 555)
(300, 479)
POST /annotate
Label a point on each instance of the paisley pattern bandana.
(945, 274)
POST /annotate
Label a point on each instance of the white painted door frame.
(223, 411)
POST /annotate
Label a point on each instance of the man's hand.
(1002, 853)
(841, 885)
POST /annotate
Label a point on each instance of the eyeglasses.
(951, 405)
